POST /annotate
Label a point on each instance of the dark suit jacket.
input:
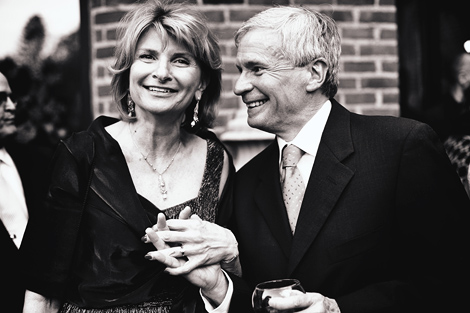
(382, 226)
(31, 163)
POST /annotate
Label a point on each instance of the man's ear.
(318, 70)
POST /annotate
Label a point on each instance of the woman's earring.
(195, 114)
(130, 106)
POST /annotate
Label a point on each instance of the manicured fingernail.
(144, 238)
(148, 257)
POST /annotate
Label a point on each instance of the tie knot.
(291, 155)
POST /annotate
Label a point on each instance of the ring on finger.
(182, 251)
(145, 239)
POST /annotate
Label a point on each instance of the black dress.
(101, 267)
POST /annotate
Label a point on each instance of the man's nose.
(242, 85)
(10, 104)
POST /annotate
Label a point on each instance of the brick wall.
(369, 61)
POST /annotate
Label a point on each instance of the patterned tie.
(293, 187)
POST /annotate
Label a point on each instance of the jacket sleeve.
(50, 237)
(241, 298)
(431, 271)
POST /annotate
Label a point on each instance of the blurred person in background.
(454, 120)
(452, 116)
(22, 177)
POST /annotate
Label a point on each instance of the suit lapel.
(327, 181)
(270, 203)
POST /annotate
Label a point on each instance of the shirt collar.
(308, 139)
(5, 157)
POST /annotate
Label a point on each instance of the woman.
(109, 184)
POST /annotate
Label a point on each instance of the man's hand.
(309, 302)
(209, 278)
(202, 242)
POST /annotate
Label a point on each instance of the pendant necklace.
(161, 181)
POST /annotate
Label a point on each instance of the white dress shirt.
(225, 305)
(13, 210)
(308, 139)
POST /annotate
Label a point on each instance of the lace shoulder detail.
(205, 204)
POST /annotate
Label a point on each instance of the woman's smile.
(164, 90)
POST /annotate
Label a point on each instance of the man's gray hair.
(306, 35)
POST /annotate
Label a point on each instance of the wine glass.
(274, 288)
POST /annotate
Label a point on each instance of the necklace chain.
(161, 181)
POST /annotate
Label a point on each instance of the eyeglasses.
(4, 96)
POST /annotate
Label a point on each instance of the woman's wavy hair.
(306, 35)
(187, 27)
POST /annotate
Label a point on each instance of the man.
(450, 116)
(379, 223)
(21, 171)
